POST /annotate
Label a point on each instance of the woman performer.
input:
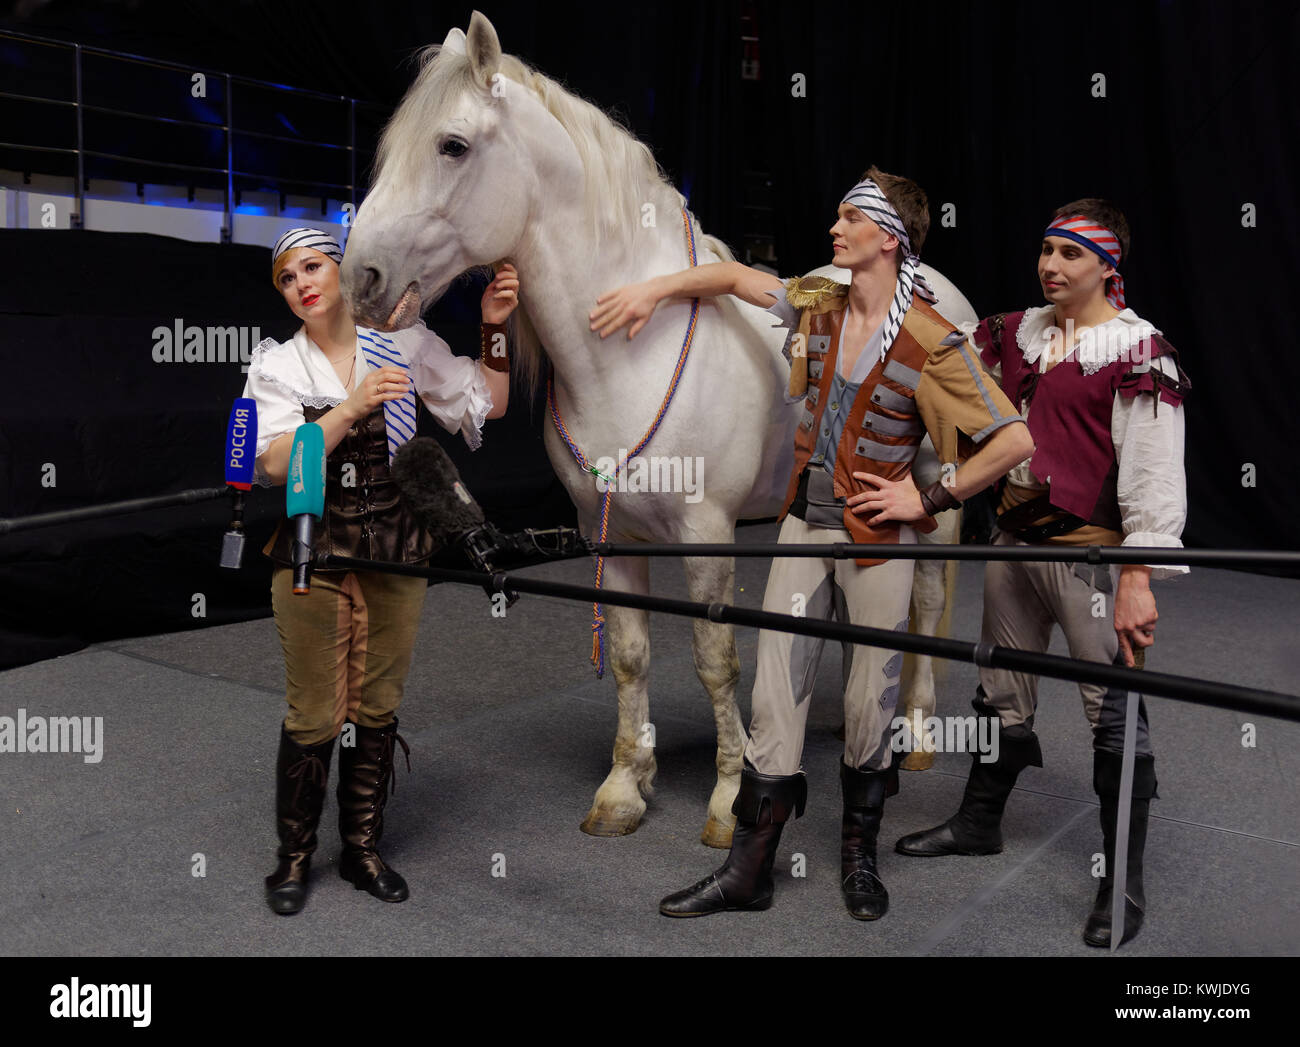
(348, 643)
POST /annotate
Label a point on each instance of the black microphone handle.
(304, 537)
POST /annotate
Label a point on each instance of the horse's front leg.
(712, 579)
(619, 804)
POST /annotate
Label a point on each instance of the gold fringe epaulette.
(808, 292)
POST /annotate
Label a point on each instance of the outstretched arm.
(634, 303)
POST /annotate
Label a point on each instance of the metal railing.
(349, 190)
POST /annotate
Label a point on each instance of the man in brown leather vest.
(1102, 392)
(877, 368)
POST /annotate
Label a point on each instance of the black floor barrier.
(1165, 685)
(98, 512)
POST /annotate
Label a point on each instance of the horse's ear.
(455, 42)
(483, 48)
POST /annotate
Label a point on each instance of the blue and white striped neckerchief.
(399, 415)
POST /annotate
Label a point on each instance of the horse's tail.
(712, 243)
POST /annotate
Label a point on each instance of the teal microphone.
(305, 498)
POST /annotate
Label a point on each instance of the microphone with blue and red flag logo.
(241, 452)
(305, 498)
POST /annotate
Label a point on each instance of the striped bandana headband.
(1100, 241)
(316, 239)
(867, 198)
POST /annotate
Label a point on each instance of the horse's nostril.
(371, 282)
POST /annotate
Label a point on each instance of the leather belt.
(1017, 521)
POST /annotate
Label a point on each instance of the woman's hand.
(501, 296)
(889, 499)
(376, 389)
(632, 304)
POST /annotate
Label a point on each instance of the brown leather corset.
(366, 517)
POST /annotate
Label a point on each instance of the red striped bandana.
(1098, 239)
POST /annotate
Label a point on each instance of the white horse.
(485, 160)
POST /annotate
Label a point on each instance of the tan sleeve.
(958, 401)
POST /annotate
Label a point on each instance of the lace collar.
(1094, 348)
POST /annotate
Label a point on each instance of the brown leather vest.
(367, 517)
(883, 429)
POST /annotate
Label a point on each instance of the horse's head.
(453, 189)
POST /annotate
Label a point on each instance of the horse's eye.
(454, 147)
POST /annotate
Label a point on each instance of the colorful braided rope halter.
(598, 619)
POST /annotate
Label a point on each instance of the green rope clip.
(596, 472)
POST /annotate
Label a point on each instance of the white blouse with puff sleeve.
(283, 377)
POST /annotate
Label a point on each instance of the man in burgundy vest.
(876, 368)
(1102, 392)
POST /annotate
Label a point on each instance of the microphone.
(305, 498)
(440, 503)
(241, 447)
(438, 500)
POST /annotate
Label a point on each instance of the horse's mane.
(622, 173)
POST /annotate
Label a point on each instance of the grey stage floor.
(510, 735)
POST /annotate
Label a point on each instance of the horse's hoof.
(716, 834)
(917, 761)
(608, 825)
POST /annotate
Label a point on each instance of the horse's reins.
(598, 619)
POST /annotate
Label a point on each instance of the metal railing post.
(77, 219)
(228, 230)
(352, 151)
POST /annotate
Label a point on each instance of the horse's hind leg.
(619, 804)
(933, 586)
(712, 579)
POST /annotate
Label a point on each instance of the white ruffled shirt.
(1151, 485)
(285, 376)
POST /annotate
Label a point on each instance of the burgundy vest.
(1070, 415)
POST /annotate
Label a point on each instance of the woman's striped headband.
(316, 239)
(1089, 233)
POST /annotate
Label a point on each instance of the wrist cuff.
(936, 498)
(494, 349)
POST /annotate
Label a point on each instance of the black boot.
(864, 806)
(763, 805)
(365, 771)
(1105, 777)
(976, 828)
(301, 774)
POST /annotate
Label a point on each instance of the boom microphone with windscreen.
(432, 487)
(305, 498)
(441, 504)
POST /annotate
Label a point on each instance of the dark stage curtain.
(991, 108)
